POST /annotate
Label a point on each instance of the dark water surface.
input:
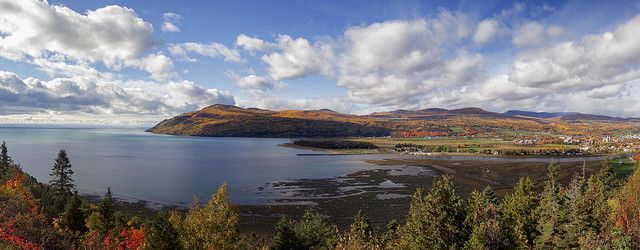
(170, 169)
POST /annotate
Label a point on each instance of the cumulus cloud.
(158, 65)
(62, 42)
(487, 30)
(264, 100)
(254, 44)
(109, 34)
(254, 82)
(298, 57)
(595, 61)
(183, 50)
(393, 63)
(82, 96)
(170, 22)
(532, 34)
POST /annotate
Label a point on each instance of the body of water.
(170, 170)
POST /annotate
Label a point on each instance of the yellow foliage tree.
(212, 226)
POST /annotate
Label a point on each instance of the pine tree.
(550, 212)
(5, 160)
(62, 183)
(519, 216)
(73, 218)
(436, 219)
(107, 211)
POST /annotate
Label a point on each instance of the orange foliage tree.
(627, 207)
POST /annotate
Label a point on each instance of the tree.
(436, 219)
(212, 226)
(73, 218)
(550, 212)
(360, 235)
(107, 211)
(286, 236)
(161, 234)
(484, 219)
(627, 208)
(5, 160)
(519, 218)
(62, 183)
(310, 232)
(575, 209)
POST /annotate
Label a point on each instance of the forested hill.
(232, 121)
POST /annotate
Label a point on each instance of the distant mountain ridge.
(228, 120)
(567, 116)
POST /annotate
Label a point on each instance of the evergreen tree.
(574, 207)
(161, 234)
(107, 211)
(310, 232)
(550, 212)
(73, 218)
(5, 160)
(286, 237)
(519, 216)
(489, 195)
(485, 222)
(436, 219)
(62, 183)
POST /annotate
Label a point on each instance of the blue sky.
(124, 61)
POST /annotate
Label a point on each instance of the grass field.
(479, 144)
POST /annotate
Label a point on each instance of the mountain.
(535, 114)
(231, 121)
(565, 116)
(226, 120)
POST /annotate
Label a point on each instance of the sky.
(137, 62)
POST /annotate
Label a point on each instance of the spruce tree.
(550, 212)
(73, 218)
(519, 214)
(5, 160)
(107, 210)
(436, 219)
(62, 183)
(574, 207)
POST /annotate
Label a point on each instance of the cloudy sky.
(135, 62)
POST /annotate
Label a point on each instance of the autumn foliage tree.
(212, 226)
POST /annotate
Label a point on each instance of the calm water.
(170, 169)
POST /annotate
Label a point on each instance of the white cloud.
(83, 96)
(394, 63)
(158, 65)
(487, 30)
(170, 21)
(254, 44)
(595, 61)
(252, 81)
(263, 100)
(298, 57)
(110, 34)
(533, 34)
(182, 50)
